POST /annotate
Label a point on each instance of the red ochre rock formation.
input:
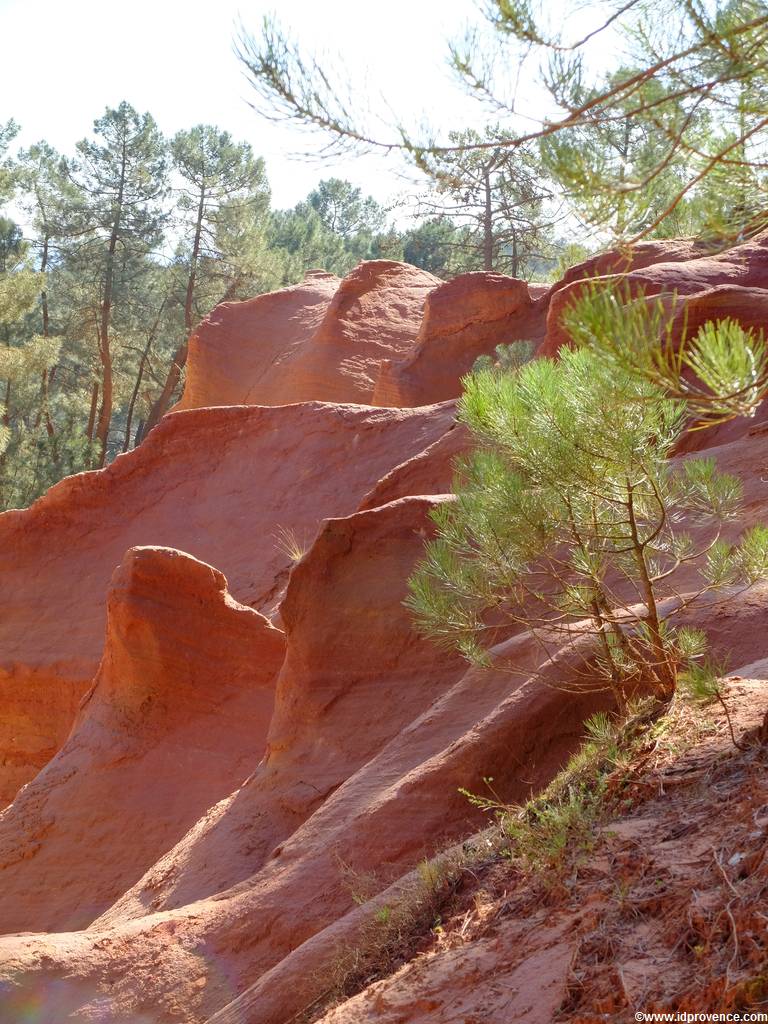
(338, 701)
(226, 863)
(463, 319)
(374, 731)
(223, 484)
(392, 335)
(244, 917)
(668, 267)
(262, 949)
(389, 334)
(374, 315)
(323, 340)
(727, 285)
(177, 717)
(236, 354)
(430, 472)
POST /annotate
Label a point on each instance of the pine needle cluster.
(571, 518)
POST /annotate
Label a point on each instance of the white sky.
(64, 61)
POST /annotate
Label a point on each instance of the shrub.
(569, 519)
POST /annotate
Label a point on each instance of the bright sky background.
(64, 61)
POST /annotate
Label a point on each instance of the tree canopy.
(685, 100)
(109, 256)
(567, 523)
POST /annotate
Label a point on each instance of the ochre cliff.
(237, 353)
(463, 319)
(224, 745)
(180, 706)
(323, 340)
(231, 486)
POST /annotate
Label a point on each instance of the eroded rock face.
(696, 287)
(262, 949)
(489, 981)
(236, 354)
(374, 732)
(669, 267)
(389, 334)
(463, 319)
(339, 701)
(234, 487)
(430, 472)
(219, 829)
(374, 315)
(323, 340)
(177, 717)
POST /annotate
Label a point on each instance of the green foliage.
(497, 199)
(333, 229)
(438, 245)
(566, 522)
(223, 206)
(671, 144)
(691, 643)
(344, 211)
(33, 461)
(383, 915)
(567, 254)
(121, 177)
(701, 681)
(609, 165)
(307, 244)
(133, 240)
(18, 292)
(732, 364)
(8, 132)
(557, 826)
(541, 839)
(669, 141)
(37, 355)
(12, 246)
(508, 357)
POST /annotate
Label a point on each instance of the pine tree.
(499, 198)
(686, 64)
(566, 523)
(345, 211)
(121, 178)
(719, 373)
(223, 200)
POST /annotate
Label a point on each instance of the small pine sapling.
(571, 519)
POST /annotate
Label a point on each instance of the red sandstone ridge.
(373, 733)
(730, 284)
(234, 803)
(177, 717)
(223, 484)
(244, 918)
(674, 267)
(463, 319)
(339, 702)
(389, 334)
(374, 315)
(236, 354)
(392, 335)
(323, 340)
